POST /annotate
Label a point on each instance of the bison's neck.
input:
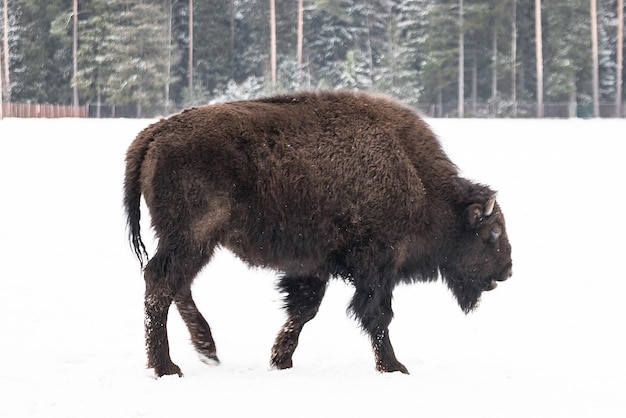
(438, 227)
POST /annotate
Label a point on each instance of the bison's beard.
(466, 292)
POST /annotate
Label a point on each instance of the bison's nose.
(507, 273)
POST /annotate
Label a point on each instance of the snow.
(549, 342)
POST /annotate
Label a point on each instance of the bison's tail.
(132, 192)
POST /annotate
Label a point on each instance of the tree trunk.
(474, 85)
(1, 101)
(370, 51)
(539, 58)
(514, 58)
(168, 76)
(273, 42)
(594, 58)
(620, 58)
(494, 70)
(75, 58)
(573, 104)
(233, 63)
(439, 102)
(99, 105)
(461, 98)
(6, 81)
(190, 64)
(300, 38)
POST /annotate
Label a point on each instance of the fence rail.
(558, 110)
(479, 110)
(36, 110)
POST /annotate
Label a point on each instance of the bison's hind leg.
(303, 296)
(168, 277)
(198, 327)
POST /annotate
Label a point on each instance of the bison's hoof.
(210, 359)
(167, 370)
(281, 364)
(394, 367)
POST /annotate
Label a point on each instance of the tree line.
(448, 57)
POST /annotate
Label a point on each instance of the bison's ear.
(474, 214)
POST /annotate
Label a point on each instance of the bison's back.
(301, 178)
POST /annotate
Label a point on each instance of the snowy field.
(550, 342)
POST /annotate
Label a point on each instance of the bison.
(315, 185)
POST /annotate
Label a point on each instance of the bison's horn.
(490, 205)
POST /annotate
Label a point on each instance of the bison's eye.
(495, 233)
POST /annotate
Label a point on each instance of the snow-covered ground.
(548, 343)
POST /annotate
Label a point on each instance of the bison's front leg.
(303, 296)
(371, 305)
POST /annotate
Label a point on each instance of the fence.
(478, 110)
(30, 110)
(520, 110)
(34, 110)
(122, 111)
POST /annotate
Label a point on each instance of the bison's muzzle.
(508, 273)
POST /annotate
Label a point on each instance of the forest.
(456, 58)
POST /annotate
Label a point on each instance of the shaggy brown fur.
(313, 185)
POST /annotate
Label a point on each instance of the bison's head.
(480, 255)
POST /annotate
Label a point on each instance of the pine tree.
(608, 29)
(212, 47)
(619, 58)
(526, 57)
(42, 56)
(539, 56)
(440, 66)
(595, 84)
(140, 58)
(137, 52)
(5, 79)
(95, 53)
(567, 49)
(252, 40)
(403, 64)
